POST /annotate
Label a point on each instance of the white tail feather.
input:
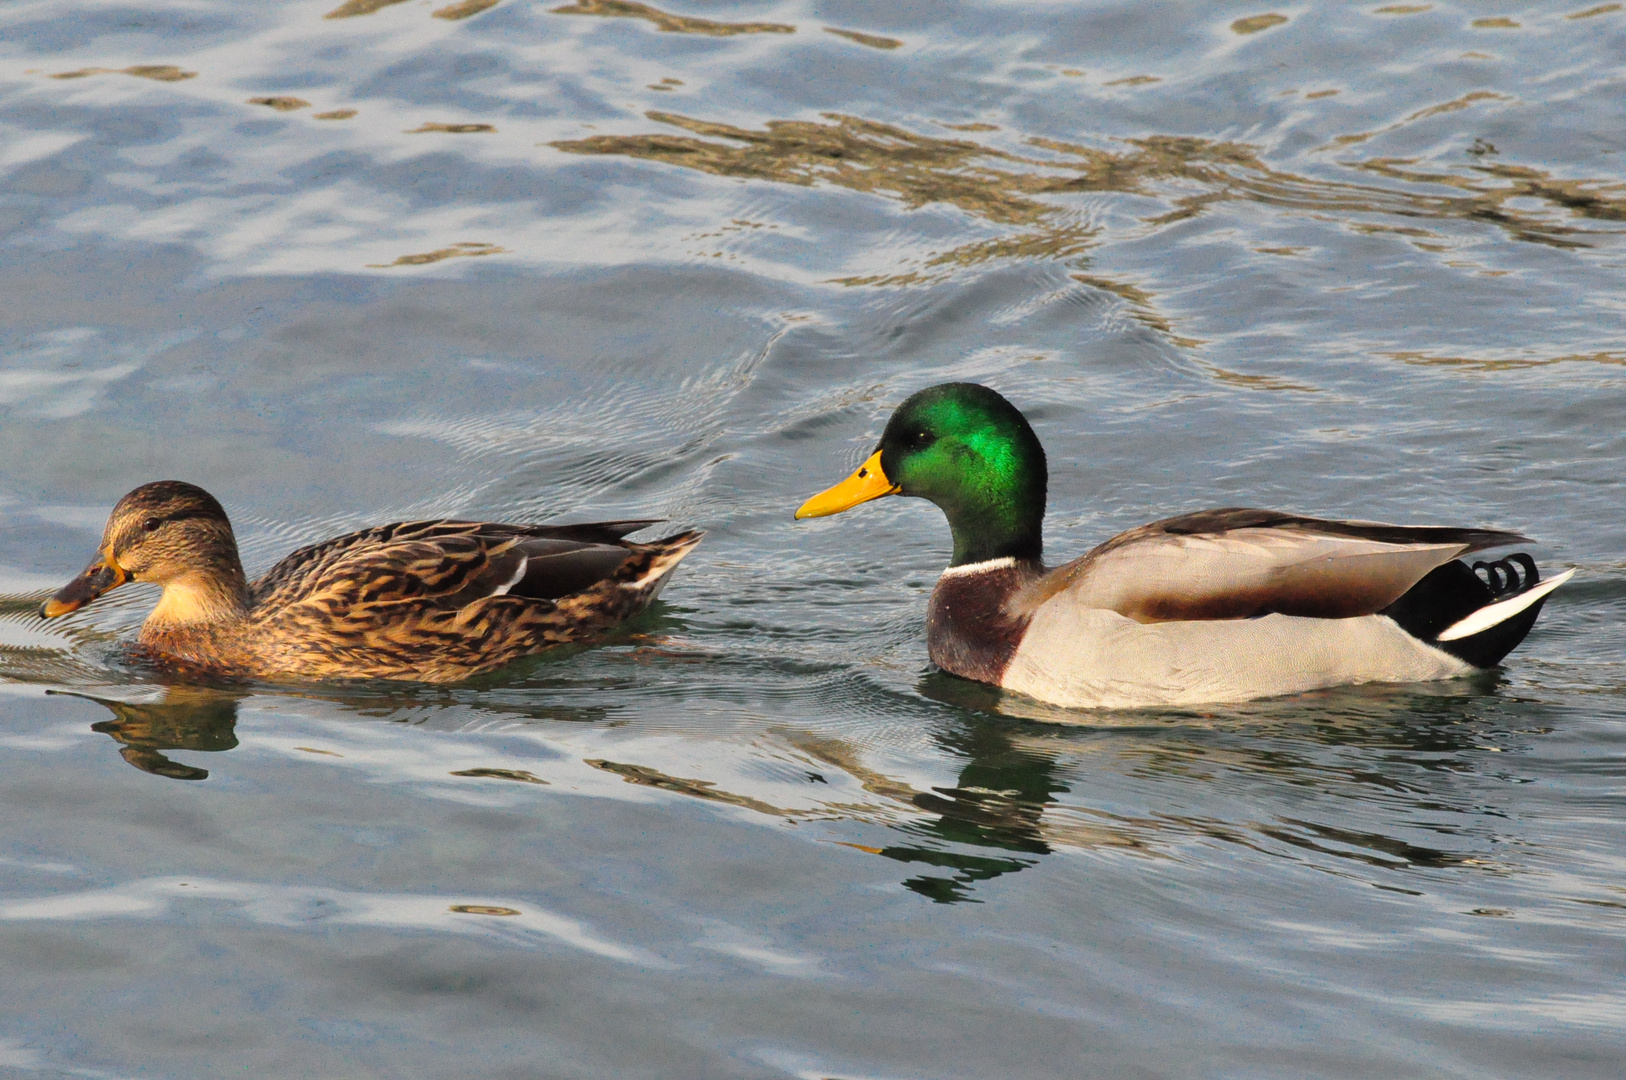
(1491, 614)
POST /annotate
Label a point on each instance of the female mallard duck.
(1220, 605)
(433, 601)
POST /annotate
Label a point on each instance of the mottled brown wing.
(444, 564)
(1237, 563)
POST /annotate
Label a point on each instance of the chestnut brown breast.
(972, 625)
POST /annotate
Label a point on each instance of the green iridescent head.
(970, 452)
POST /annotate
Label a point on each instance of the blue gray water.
(566, 261)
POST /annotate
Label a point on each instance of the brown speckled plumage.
(432, 601)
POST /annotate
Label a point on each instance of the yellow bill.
(869, 482)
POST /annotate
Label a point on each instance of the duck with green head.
(1213, 606)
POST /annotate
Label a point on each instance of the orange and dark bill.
(99, 577)
(869, 482)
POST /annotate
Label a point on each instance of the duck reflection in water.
(188, 718)
(997, 802)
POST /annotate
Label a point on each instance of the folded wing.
(1238, 563)
(447, 564)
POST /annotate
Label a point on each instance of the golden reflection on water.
(1455, 105)
(1601, 9)
(464, 9)
(1508, 363)
(672, 24)
(861, 155)
(1255, 23)
(1021, 191)
(157, 72)
(351, 8)
(645, 776)
(520, 775)
(452, 129)
(874, 41)
(1141, 306)
(468, 249)
(281, 104)
(1144, 311)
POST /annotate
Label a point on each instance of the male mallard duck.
(1220, 605)
(433, 601)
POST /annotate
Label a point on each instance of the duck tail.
(659, 559)
(1478, 618)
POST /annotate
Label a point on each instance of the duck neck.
(1000, 525)
(201, 599)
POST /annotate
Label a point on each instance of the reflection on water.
(1029, 195)
(352, 8)
(156, 72)
(1352, 260)
(1010, 189)
(464, 9)
(281, 103)
(997, 804)
(1017, 794)
(670, 23)
(188, 718)
(317, 909)
(464, 250)
(32, 651)
(699, 789)
(874, 41)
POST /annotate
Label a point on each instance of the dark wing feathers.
(556, 568)
(450, 564)
(598, 532)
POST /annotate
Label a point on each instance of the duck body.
(1217, 606)
(430, 601)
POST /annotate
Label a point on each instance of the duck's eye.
(920, 438)
(150, 525)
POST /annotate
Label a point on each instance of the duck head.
(968, 450)
(168, 533)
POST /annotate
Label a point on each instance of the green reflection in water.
(998, 802)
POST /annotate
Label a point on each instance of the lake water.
(572, 261)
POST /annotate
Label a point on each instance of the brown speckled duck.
(431, 601)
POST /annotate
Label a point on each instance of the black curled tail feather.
(1504, 580)
(1452, 592)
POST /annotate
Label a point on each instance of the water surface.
(561, 261)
